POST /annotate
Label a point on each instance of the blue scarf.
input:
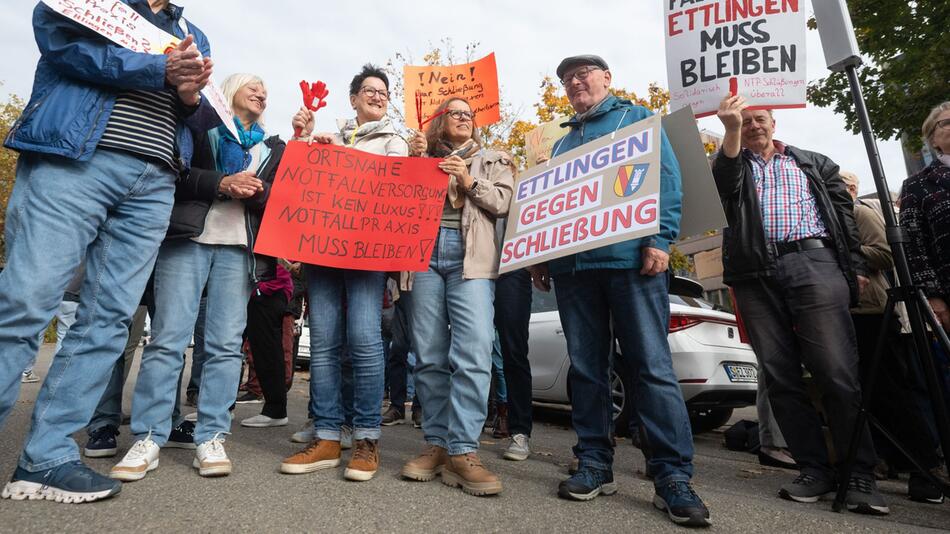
(234, 155)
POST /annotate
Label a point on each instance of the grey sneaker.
(807, 488)
(518, 448)
(346, 437)
(864, 498)
(306, 433)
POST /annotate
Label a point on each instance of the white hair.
(233, 83)
(930, 123)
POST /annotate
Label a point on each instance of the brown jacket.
(877, 254)
(484, 204)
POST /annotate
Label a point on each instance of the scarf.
(583, 116)
(234, 155)
(351, 132)
(444, 150)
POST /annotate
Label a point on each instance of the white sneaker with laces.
(263, 421)
(210, 458)
(518, 448)
(141, 458)
(305, 434)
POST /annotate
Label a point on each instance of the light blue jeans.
(113, 209)
(183, 270)
(358, 327)
(453, 367)
(65, 317)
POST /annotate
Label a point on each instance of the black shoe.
(807, 488)
(393, 416)
(864, 498)
(249, 398)
(102, 442)
(681, 504)
(416, 416)
(182, 436)
(921, 489)
(586, 484)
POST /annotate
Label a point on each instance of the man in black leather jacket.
(792, 256)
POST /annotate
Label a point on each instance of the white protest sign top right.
(753, 47)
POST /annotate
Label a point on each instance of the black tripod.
(918, 311)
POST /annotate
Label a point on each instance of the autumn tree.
(909, 68)
(9, 112)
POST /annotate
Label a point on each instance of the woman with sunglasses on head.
(346, 306)
(453, 368)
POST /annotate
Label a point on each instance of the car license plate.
(741, 373)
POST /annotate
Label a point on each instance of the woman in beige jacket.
(453, 367)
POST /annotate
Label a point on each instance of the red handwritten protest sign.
(755, 48)
(476, 82)
(341, 207)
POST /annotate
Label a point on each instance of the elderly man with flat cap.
(627, 281)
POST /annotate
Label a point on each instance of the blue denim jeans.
(498, 371)
(109, 410)
(356, 329)
(453, 367)
(183, 271)
(65, 317)
(112, 209)
(641, 310)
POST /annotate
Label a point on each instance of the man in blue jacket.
(101, 144)
(626, 282)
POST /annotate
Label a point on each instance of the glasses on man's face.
(460, 115)
(370, 92)
(580, 74)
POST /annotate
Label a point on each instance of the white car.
(717, 372)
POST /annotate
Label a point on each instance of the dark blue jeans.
(512, 318)
(640, 307)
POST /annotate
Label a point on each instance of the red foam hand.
(310, 92)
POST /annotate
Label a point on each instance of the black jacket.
(925, 214)
(745, 254)
(196, 191)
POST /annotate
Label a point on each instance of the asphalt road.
(741, 494)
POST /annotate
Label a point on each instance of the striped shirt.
(789, 212)
(144, 122)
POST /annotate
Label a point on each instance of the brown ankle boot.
(427, 465)
(501, 422)
(364, 462)
(467, 471)
(321, 454)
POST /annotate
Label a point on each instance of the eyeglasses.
(370, 92)
(943, 124)
(580, 74)
(460, 115)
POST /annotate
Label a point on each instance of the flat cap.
(569, 63)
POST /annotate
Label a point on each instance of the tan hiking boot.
(364, 462)
(427, 465)
(321, 454)
(467, 471)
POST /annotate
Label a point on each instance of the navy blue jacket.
(78, 77)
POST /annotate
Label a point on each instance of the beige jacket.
(877, 254)
(484, 204)
(378, 138)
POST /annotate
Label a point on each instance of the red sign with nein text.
(340, 207)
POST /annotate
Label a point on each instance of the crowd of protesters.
(152, 204)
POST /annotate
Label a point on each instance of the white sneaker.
(518, 448)
(262, 421)
(210, 458)
(141, 458)
(30, 377)
(346, 437)
(305, 434)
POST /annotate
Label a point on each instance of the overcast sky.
(284, 42)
